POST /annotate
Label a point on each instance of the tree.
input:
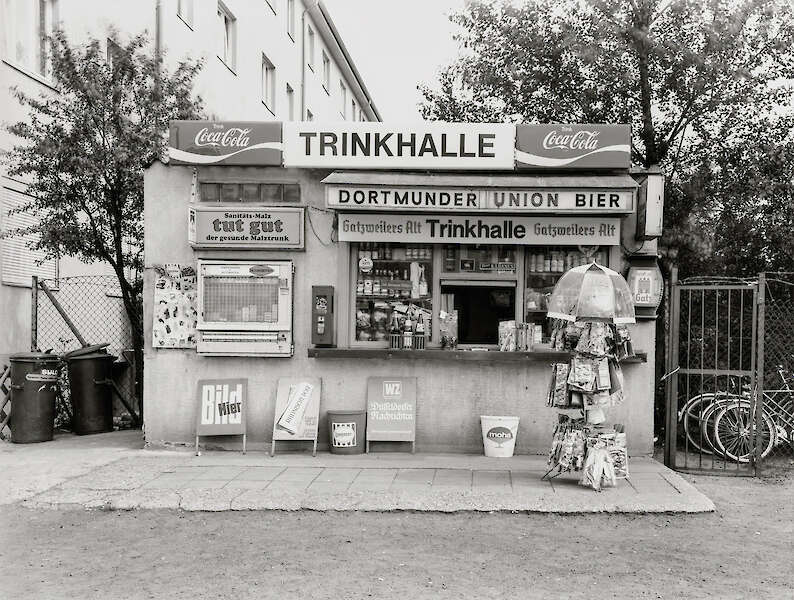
(683, 73)
(85, 148)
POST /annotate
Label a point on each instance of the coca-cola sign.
(229, 143)
(233, 137)
(573, 146)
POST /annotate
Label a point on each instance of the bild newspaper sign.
(391, 409)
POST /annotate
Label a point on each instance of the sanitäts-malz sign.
(426, 146)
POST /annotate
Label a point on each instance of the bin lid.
(92, 356)
(347, 412)
(34, 357)
(85, 350)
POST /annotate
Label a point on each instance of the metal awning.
(448, 180)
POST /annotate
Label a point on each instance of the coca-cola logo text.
(234, 137)
(581, 140)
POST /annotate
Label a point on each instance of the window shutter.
(19, 263)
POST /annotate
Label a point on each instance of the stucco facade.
(451, 395)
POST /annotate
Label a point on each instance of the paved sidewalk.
(131, 478)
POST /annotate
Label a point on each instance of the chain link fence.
(94, 307)
(776, 328)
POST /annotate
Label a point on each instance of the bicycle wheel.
(697, 418)
(733, 432)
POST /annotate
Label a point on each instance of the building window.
(184, 10)
(290, 103)
(309, 115)
(291, 18)
(326, 73)
(273, 4)
(249, 193)
(268, 84)
(28, 24)
(343, 98)
(227, 36)
(310, 35)
(352, 110)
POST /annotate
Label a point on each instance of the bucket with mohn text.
(499, 435)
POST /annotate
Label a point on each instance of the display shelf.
(395, 298)
(544, 355)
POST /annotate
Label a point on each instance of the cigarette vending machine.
(323, 315)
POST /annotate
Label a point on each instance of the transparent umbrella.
(592, 293)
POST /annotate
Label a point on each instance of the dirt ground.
(744, 550)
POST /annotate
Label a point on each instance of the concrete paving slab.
(260, 473)
(114, 472)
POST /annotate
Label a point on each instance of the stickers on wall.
(175, 314)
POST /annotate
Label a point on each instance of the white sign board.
(479, 200)
(474, 229)
(368, 145)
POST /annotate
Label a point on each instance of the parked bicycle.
(721, 422)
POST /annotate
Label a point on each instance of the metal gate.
(713, 415)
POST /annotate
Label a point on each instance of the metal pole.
(63, 314)
(758, 405)
(34, 314)
(671, 409)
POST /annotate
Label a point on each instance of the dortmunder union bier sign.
(425, 146)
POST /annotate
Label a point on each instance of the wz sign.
(222, 406)
(391, 409)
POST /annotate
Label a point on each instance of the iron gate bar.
(720, 376)
(758, 388)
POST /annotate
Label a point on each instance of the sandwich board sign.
(297, 410)
(221, 408)
(391, 410)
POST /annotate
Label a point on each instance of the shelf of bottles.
(544, 266)
(394, 303)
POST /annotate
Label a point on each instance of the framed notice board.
(297, 410)
(391, 410)
(222, 404)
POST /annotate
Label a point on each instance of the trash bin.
(34, 377)
(499, 435)
(347, 431)
(89, 382)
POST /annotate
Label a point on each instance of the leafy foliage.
(689, 75)
(84, 150)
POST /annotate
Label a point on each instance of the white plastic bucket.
(499, 435)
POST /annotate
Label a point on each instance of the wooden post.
(34, 314)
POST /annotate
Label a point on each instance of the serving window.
(455, 295)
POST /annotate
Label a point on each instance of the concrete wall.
(451, 396)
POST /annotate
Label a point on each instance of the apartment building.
(275, 60)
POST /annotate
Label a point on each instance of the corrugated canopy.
(392, 178)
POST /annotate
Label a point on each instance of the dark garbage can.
(90, 372)
(347, 431)
(34, 380)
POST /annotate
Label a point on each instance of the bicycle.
(721, 423)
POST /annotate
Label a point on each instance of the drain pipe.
(158, 43)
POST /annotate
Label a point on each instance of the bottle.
(376, 285)
(422, 283)
(408, 334)
(420, 326)
(376, 252)
(360, 286)
(546, 263)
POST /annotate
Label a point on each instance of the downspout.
(303, 64)
(158, 43)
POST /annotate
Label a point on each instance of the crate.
(395, 341)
